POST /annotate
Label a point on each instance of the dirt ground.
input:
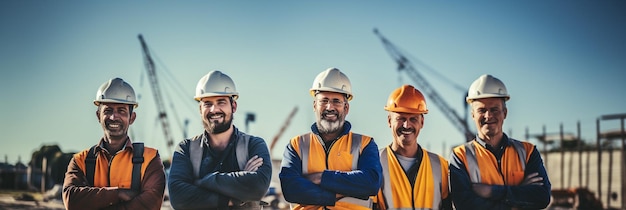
(9, 201)
(14, 200)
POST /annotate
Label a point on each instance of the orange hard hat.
(407, 99)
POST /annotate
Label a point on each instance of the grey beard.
(323, 126)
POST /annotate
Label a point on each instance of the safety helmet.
(487, 86)
(406, 99)
(116, 91)
(332, 80)
(216, 83)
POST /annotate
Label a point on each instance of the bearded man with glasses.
(331, 167)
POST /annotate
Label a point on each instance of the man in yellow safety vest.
(413, 178)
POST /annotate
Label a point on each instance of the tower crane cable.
(168, 96)
(156, 92)
(436, 73)
(405, 65)
(171, 79)
(179, 91)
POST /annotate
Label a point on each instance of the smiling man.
(116, 173)
(413, 178)
(222, 168)
(494, 171)
(331, 167)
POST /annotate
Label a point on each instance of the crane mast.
(405, 65)
(156, 92)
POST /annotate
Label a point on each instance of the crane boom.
(405, 65)
(282, 129)
(156, 92)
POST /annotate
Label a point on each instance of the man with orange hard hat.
(413, 178)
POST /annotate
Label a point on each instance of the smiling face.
(115, 120)
(405, 127)
(330, 111)
(217, 113)
(489, 115)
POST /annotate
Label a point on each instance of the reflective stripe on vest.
(305, 145)
(305, 142)
(472, 161)
(435, 170)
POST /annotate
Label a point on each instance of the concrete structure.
(587, 177)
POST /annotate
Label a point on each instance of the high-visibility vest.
(118, 171)
(430, 188)
(346, 151)
(483, 167)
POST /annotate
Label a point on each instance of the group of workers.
(329, 167)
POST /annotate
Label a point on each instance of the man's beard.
(325, 126)
(215, 127)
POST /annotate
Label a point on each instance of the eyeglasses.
(334, 102)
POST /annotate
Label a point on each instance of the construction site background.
(582, 176)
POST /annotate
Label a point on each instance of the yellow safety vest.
(431, 182)
(483, 166)
(343, 156)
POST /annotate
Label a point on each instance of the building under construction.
(586, 175)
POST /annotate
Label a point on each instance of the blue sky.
(562, 61)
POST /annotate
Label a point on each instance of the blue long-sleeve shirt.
(360, 183)
(220, 178)
(502, 196)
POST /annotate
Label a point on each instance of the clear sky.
(562, 62)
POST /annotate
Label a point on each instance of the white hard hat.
(116, 91)
(332, 80)
(487, 86)
(216, 83)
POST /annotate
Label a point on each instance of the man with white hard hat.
(494, 171)
(331, 167)
(222, 168)
(115, 173)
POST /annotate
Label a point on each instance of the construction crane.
(405, 65)
(156, 92)
(282, 129)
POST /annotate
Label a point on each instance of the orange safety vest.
(483, 167)
(116, 172)
(431, 182)
(345, 153)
